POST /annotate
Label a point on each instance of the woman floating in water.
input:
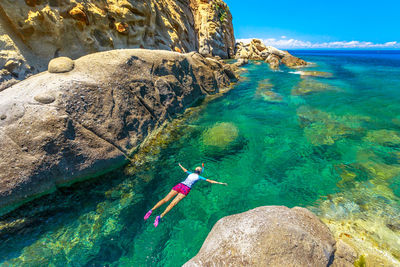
(182, 189)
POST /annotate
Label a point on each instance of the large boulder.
(33, 32)
(268, 236)
(56, 128)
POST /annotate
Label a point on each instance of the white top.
(192, 179)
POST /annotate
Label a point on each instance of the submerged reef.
(309, 86)
(322, 128)
(265, 90)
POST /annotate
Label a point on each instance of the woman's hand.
(182, 167)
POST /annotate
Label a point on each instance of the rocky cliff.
(32, 32)
(84, 117)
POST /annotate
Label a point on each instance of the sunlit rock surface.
(33, 32)
(269, 236)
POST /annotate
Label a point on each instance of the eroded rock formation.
(33, 32)
(257, 50)
(58, 127)
(272, 236)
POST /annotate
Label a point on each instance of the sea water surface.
(329, 142)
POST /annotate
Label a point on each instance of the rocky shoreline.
(34, 32)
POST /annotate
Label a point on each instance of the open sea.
(324, 137)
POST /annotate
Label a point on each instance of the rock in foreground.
(268, 236)
(59, 127)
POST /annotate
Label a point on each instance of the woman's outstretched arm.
(215, 182)
(182, 168)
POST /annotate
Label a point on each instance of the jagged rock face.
(59, 127)
(256, 50)
(213, 22)
(32, 32)
(271, 236)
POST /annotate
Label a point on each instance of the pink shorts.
(181, 188)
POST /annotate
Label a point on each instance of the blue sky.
(318, 23)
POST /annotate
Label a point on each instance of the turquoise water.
(329, 143)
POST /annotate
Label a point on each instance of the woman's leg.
(165, 199)
(176, 200)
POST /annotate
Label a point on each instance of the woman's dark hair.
(198, 172)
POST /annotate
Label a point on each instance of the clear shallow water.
(330, 144)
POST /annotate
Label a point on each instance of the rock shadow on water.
(221, 140)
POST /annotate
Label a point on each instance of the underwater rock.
(383, 137)
(326, 133)
(221, 135)
(362, 217)
(308, 86)
(264, 90)
(315, 74)
(222, 140)
(106, 107)
(322, 128)
(271, 96)
(267, 236)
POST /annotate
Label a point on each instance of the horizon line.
(290, 43)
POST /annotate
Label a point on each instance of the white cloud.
(283, 37)
(285, 43)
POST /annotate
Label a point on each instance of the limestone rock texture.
(32, 32)
(56, 128)
(257, 50)
(271, 236)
